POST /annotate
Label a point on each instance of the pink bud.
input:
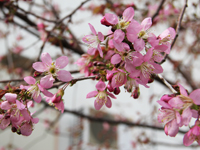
(105, 22)
(110, 88)
(116, 91)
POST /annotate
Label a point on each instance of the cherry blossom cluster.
(14, 110)
(177, 110)
(128, 56)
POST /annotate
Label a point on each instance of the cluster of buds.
(178, 110)
(128, 56)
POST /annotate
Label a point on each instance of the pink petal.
(108, 103)
(89, 39)
(188, 139)
(5, 105)
(100, 36)
(170, 31)
(61, 62)
(118, 46)
(119, 36)
(47, 81)
(101, 86)
(60, 106)
(30, 80)
(128, 14)
(132, 36)
(4, 122)
(139, 44)
(152, 39)
(111, 18)
(161, 48)
(164, 104)
(176, 102)
(37, 99)
(182, 90)
(92, 94)
(91, 51)
(148, 55)
(35, 120)
(98, 104)
(26, 129)
(20, 105)
(111, 95)
(146, 23)
(172, 128)
(134, 27)
(29, 104)
(26, 115)
(46, 59)
(39, 66)
(92, 29)
(64, 76)
(115, 59)
(186, 116)
(100, 50)
(10, 97)
(109, 54)
(195, 96)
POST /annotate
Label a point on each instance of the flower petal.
(146, 23)
(26, 129)
(195, 96)
(92, 94)
(39, 66)
(10, 97)
(108, 102)
(98, 104)
(20, 105)
(46, 59)
(61, 62)
(111, 18)
(64, 76)
(128, 14)
(115, 59)
(92, 29)
(101, 86)
(5, 105)
(30, 80)
(47, 81)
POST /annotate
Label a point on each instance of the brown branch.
(158, 9)
(111, 122)
(179, 23)
(70, 15)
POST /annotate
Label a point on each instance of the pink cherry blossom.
(137, 33)
(56, 100)
(112, 19)
(192, 135)
(52, 70)
(102, 96)
(94, 41)
(34, 88)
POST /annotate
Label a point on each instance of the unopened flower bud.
(36, 74)
(117, 91)
(58, 96)
(110, 88)
(136, 93)
(105, 22)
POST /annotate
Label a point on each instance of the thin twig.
(167, 84)
(70, 15)
(179, 23)
(158, 9)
